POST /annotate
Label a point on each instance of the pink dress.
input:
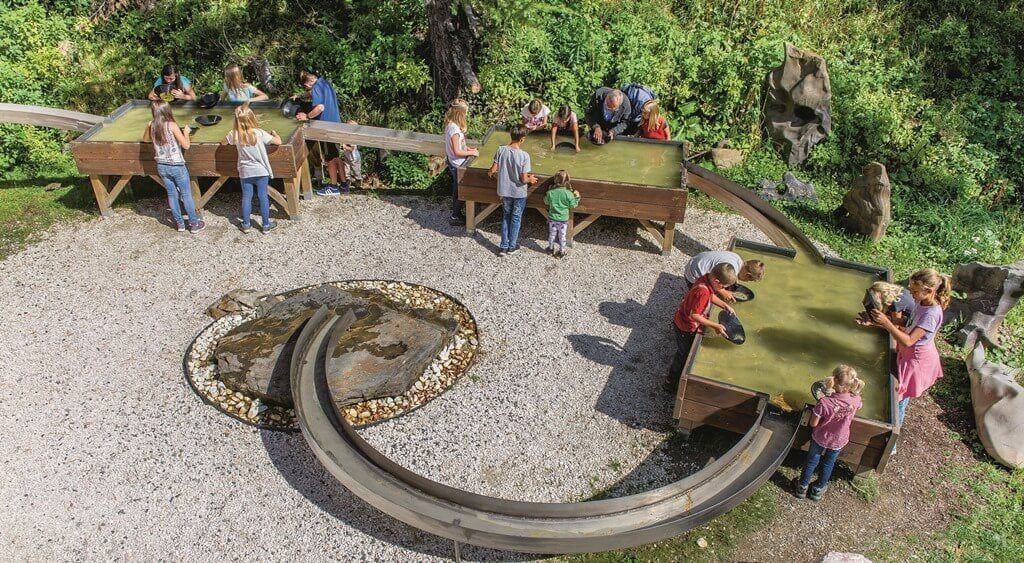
(919, 365)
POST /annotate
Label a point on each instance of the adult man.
(607, 114)
(704, 262)
(324, 107)
(173, 84)
(638, 96)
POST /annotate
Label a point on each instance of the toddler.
(830, 429)
(561, 199)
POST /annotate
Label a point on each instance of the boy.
(325, 108)
(512, 167)
(703, 262)
(692, 316)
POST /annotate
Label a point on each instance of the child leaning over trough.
(561, 199)
(535, 115)
(565, 121)
(830, 429)
(168, 141)
(691, 317)
(254, 170)
(236, 89)
(512, 168)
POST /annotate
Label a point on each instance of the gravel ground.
(108, 454)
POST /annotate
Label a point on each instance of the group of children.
(911, 315)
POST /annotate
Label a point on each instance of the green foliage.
(992, 525)
(406, 170)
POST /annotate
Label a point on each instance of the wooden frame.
(104, 161)
(705, 401)
(657, 209)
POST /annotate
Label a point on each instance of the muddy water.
(798, 328)
(619, 161)
(129, 127)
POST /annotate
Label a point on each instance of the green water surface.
(130, 126)
(799, 326)
(630, 162)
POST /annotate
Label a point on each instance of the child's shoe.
(798, 491)
(181, 227)
(197, 227)
(563, 252)
(815, 494)
(270, 226)
(345, 187)
(551, 249)
(245, 228)
(328, 190)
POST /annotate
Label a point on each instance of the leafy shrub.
(406, 170)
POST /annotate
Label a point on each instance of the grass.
(27, 209)
(866, 487)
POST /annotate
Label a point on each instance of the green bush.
(406, 170)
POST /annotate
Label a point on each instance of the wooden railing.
(48, 117)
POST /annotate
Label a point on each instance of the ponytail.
(941, 284)
(844, 379)
(944, 293)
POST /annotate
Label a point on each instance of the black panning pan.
(208, 100)
(566, 147)
(207, 119)
(742, 293)
(293, 106)
(733, 328)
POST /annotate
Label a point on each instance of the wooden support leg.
(569, 228)
(668, 239)
(197, 194)
(470, 217)
(291, 197)
(204, 198)
(105, 193)
(307, 180)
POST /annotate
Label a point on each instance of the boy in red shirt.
(692, 316)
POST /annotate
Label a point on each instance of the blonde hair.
(844, 379)
(651, 113)
(755, 268)
(887, 293)
(561, 179)
(457, 115)
(233, 79)
(724, 273)
(245, 125)
(941, 284)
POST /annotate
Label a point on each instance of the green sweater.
(560, 202)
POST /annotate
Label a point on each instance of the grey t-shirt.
(253, 161)
(703, 262)
(512, 164)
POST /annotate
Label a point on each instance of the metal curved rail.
(48, 117)
(514, 525)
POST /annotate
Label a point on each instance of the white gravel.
(108, 454)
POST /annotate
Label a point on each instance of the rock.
(798, 98)
(991, 291)
(726, 158)
(866, 207)
(998, 408)
(235, 301)
(792, 189)
(384, 353)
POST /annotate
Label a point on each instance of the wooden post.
(307, 180)
(470, 217)
(197, 194)
(291, 198)
(668, 239)
(99, 189)
(568, 229)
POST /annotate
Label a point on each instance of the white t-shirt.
(704, 262)
(450, 131)
(535, 120)
(253, 161)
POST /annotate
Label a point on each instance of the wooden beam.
(658, 238)
(669, 238)
(377, 137)
(48, 117)
(214, 187)
(99, 189)
(586, 222)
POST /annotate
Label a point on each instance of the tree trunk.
(451, 48)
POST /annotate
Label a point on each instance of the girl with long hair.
(830, 423)
(456, 151)
(254, 171)
(169, 140)
(236, 89)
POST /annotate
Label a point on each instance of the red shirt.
(660, 132)
(697, 300)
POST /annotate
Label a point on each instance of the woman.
(236, 89)
(168, 141)
(177, 86)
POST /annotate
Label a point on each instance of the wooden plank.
(291, 194)
(120, 185)
(471, 217)
(628, 210)
(734, 420)
(307, 180)
(741, 206)
(647, 225)
(41, 116)
(586, 222)
(278, 198)
(668, 239)
(487, 211)
(99, 189)
(210, 191)
(378, 137)
(593, 189)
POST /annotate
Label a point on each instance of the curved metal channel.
(523, 526)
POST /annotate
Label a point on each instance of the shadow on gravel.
(634, 394)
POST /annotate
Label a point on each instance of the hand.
(721, 330)
(474, 152)
(598, 134)
(186, 130)
(728, 295)
(301, 116)
(273, 133)
(576, 193)
(178, 94)
(880, 318)
(611, 135)
(731, 310)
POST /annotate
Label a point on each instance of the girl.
(456, 151)
(178, 87)
(895, 300)
(168, 141)
(560, 199)
(236, 89)
(565, 120)
(830, 422)
(254, 170)
(535, 115)
(917, 358)
(652, 124)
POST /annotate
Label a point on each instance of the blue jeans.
(258, 183)
(511, 220)
(902, 412)
(827, 459)
(179, 189)
(456, 208)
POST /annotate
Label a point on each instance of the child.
(692, 316)
(917, 358)
(895, 300)
(456, 151)
(565, 120)
(254, 170)
(168, 141)
(236, 89)
(172, 85)
(512, 167)
(351, 163)
(535, 115)
(652, 124)
(830, 422)
(703, 262)
(560, 199)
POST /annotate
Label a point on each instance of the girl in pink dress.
(917, 358)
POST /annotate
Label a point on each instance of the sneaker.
(345, 187)
(328, 190)
(197, 227)
(798, 491)
(181, 227)
(513, 249)
(815, 494)
(270, 226)
(502, 252)
(562, 252)
(455, 220)
(245, 228)
(550, 249)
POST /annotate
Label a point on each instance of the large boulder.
(866, 208)
(990, 292)
(798, 97)
(790, 189)
(238, 301)
(998, 408)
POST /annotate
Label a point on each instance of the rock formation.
(990, 292)
(797, 109)
(792, 189)
(724, 156)
(998, 408)
(236, 301)
(866, 208)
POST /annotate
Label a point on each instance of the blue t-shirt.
(323, 94)
(185, 82)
